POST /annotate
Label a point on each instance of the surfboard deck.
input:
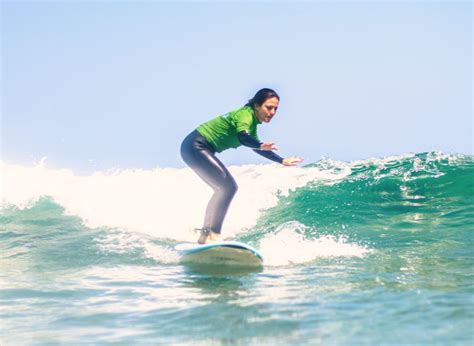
(225, 253)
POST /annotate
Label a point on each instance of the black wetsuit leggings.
(200, 156)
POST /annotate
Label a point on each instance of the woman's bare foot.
(213, 237)
(203, 236)
(207, 236)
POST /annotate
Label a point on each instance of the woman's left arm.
(249, 141)
(270, 155)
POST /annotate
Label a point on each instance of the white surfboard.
(228, 253)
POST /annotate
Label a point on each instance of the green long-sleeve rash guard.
(222, 131)
(234, 129)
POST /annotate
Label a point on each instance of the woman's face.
(267, 110)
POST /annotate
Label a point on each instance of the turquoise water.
(378, 251)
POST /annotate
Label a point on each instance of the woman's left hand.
(292, 161)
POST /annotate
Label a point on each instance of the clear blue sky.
(94, 85)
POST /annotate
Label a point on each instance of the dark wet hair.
(261, 96)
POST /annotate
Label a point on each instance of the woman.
(231, 130)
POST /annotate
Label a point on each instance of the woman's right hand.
(269, 146)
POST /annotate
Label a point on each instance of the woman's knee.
(227, 187)
(231, 187)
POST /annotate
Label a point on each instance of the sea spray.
(164, 202)
(287, 245)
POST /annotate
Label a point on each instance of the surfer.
(230, 130)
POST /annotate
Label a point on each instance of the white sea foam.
(163, 202)
(123, 242)
(287, 245)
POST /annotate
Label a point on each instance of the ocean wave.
(293, 215)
